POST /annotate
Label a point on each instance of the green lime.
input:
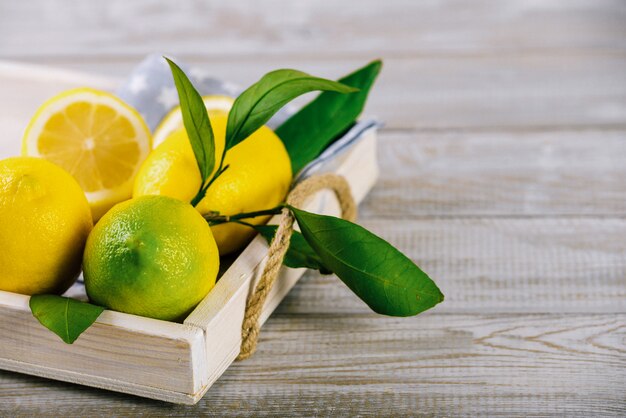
(152, 256)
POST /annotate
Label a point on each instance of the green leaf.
(384, 278)
(67, 318)
(263, 99)
(196, 122)
(309, 131)
(300, 254)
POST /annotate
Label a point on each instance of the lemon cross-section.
(96, 137)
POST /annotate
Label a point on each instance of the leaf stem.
(214, 218)
(203, 189)
(218, 173)
(199, 196)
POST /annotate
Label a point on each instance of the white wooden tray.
(127, 353)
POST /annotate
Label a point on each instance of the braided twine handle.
(278, 248)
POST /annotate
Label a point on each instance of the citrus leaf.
(257, 104)
(384, 278)
(196, 121)
(67, 318)
(300, 254)
(309, 131)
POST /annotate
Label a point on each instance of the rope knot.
(278, 248)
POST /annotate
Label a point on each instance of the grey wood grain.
(499, 173)
(531, 64)
(50, 29)
(501, 92)
(502, 176)
(362, 364)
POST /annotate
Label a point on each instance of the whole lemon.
(152, 256)
(258, 177)
(44, 222)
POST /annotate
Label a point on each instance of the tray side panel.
(119, 352)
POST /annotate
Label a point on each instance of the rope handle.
(280, 244)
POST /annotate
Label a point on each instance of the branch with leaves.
(380, 275)
(384, 278)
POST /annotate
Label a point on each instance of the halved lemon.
(94, 136)
(173, 121)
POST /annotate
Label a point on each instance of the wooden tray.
(126, 353)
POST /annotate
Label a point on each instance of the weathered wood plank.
(485, 92)
(316, 28)
(500, 173)
(329, 365)
(487, 265)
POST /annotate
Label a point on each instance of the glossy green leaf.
(300, 254)
(384, 278)
(256, 105)
(309, 131)
(196, 121)
(67, 318)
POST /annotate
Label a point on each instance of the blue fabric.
(150, 89)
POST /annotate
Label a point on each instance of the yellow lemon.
(171, 169)
(258, 177)
(153, 256)
(44, 222)
(96, 137)
(215, 105)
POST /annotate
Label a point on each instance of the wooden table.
(503, 175)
